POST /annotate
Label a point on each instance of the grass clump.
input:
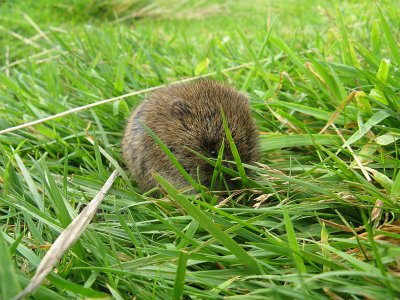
(319, 215)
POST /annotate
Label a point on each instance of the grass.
(326, 219)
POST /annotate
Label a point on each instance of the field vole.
(187, 115)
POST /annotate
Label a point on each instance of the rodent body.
(187, 116)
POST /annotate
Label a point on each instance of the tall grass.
(317, 218)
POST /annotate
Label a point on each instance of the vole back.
(187, 115)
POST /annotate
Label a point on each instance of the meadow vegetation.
(316, 218)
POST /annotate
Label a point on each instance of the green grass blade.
(393, 45)
(374, 120)
(395, 192)
(120, 73)
(293, 55)
(311, 111)
(349, 57)
(273, 141)
(180, 281)
(9, 282)
(234, 151)
(217, 167)
(208, 225)
(29, 181)
(301, 268)
(255, 57)
(173, 159)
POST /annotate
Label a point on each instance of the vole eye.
(213, 153)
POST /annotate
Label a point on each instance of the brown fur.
(187, 115)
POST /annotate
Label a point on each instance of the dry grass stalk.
(66, 239)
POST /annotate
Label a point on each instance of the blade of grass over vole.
(172, 157)
(234, 150)
(213, 163)
(208, 225)
(217, 167)
(232, 173)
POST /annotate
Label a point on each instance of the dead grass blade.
(66, 239)
(338, 111)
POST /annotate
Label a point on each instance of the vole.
(187, 115)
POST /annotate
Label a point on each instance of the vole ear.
(181, 109)
(182, 112)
